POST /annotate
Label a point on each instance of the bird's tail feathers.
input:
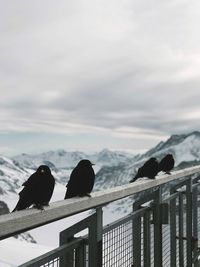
(134, 179)
(69, 195)
(16, 207)
(159, 168)
(21, 205)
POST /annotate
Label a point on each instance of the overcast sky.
(89, 74)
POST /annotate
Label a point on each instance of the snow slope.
(14, 252)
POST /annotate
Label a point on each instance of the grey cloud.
(116, 64)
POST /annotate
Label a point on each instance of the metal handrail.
(24, 220)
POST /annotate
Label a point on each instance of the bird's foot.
(85, 195)
(39, 206)
(134, 179)
(45, 204)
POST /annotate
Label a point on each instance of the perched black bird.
(81, 180)
(38, 189)
(166, 164)
(149, 170)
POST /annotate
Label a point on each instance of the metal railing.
(163, 228)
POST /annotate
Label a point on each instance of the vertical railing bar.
(136, 235)
(122, 240)
(116, 248)
(173, 230)
(180, 237)
(189, 222)
(95, 240)
(147, 243)
(157, 229)
(80, 256)
(110, 244)
(195, 223)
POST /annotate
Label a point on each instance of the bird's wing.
(52, 183)
(162, 164)
(74, 177)
(92, 175)
(140, 172)
(32, 180)
(49, 188)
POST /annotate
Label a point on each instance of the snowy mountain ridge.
(112, 169)
(14, 171)
(68, 160)
(185, 149)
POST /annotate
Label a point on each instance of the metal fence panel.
(150, 236)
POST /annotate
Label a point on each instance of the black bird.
(166, 164)
(38, 189)
(81, 180)
(149, 170)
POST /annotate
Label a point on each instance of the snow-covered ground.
(14, 252)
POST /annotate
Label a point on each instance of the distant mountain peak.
(173, 140)
(61, 151)
(195, 133)
(184, 147)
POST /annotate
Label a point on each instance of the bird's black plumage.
(166, 164)
(38, 189)
(149, 170)
(81, 180)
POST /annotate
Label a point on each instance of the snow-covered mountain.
(185, 149)
(111, 168)
(14, 171)
(68, 160)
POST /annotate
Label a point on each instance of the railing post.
(189, 222)
(80, 258)
(181, 229)
(147, 239)
(95, 240)
(157, 220)
(173, 230)
(68, 259)
(195, 225)
(136, 232)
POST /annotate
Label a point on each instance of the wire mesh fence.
(53, 263)
(117, 246)
(165, 245)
